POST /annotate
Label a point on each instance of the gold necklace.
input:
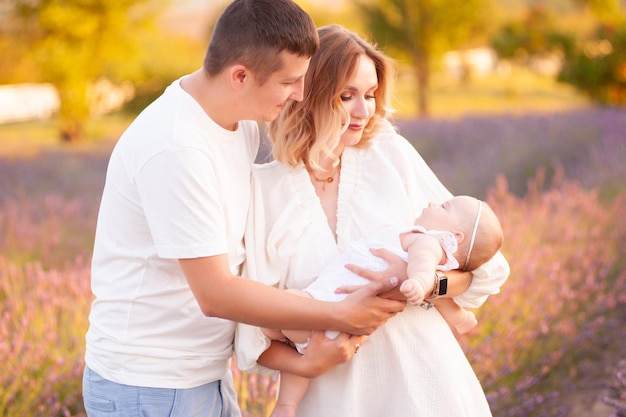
(324, 181)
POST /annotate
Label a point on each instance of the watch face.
(443, 285)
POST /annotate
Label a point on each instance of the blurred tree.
(606, 11)
(598, 66)
(421, 30)
(536, 34)
(327, 12)
(76, 42)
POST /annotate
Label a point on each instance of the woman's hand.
(322, 354)
(396, 267)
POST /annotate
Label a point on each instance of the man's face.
(266, 101)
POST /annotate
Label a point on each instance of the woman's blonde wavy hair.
(308, 130)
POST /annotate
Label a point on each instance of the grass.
(27, 139)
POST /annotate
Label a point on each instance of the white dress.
(412, 365)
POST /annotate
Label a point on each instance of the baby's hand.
(414, 291)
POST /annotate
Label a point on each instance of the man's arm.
(221, 294)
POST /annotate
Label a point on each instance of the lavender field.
(551, 344)
(467, 155)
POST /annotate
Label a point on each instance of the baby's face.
(452, 215)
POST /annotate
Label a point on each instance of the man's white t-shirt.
(177, 186)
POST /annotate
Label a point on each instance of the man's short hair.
(254, 32)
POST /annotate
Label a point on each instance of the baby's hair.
(487, 238)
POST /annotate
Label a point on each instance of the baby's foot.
(414, 291)
(284, 410)
(466, 323)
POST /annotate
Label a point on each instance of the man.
(168, 244)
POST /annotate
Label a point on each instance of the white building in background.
(105, 97)
(470, 62)
(480, 62)
(20, 102)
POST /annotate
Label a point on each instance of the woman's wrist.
(457, 283)
(439, 289)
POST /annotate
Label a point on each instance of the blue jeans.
(103, 398)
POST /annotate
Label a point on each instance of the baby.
(462, 233)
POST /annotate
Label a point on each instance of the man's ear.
(459, 236)
(239, 76)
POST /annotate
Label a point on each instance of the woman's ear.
(459, 236)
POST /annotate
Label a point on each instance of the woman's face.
(358, 99)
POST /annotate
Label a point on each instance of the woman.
(340, 173)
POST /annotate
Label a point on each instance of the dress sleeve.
(486, 281)
(250, 342)
(421, 184)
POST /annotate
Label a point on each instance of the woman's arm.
(321, 355)
(486, 280)
(458, 283)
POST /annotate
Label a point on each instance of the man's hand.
(364, 310)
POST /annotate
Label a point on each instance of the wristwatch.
(440, 288)
(443, 285)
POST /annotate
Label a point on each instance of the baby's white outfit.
(335, 274)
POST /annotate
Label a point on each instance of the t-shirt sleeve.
(180, 195)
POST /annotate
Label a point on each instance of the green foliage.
(598, 66)
(536, 34)
(421, 30)
(607, 11)
(433, 26)
(158, 69)
(74, 43)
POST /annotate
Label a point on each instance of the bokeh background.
(519, 102)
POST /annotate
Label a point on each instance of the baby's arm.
(456, 316)
(425, 253)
